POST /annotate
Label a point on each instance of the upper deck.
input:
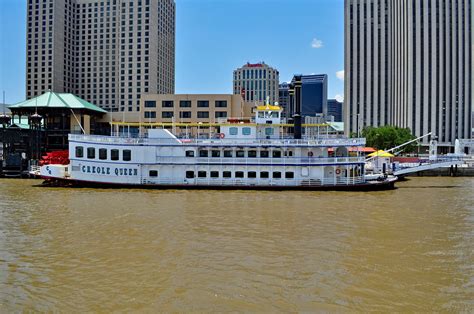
(281, 142)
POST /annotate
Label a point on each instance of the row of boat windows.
(240, 174)
(239, 153)
(103, 153)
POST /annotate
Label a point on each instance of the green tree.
(386, 137)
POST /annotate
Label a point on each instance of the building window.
(203, 153)
(185, 103)
(220, 114)
(233, 131)
(277, 175)
(239, 174)
(246, 131)
(216, 153)
(203, 103)
(79, 151)
(153, 173)
(221, 103)
(251, 175)
(276, 154)
(252, 153)
(264, 154)
(189, 153)
(167, 104)
(240, 154)
(227, 174)
(202, 174)
(227, 154)
(185, 114)
(150, 104)
(214, 174)
(127, 155)
(102, 153)
(90, 152)
(264, 175)
(114, 154)
(189, 174)
(203, 114)
(289, 175)
(150, 114)
(167, 114)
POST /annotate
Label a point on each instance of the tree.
(386, 137)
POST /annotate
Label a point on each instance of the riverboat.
(245, 154)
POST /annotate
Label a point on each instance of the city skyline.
(319, 49)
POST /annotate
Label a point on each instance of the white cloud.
(340, 75)
(316, 43)
(339, 98)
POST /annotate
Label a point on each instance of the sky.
(214, 37)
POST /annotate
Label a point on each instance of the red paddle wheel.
(55, 158)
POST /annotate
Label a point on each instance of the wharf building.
(108, 52)
(256, 81)
(409, 64)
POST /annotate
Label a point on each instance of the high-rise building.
(314, 95)
(108, 52)
(256, 81)
(335, 110)
(409, 64)
(284, 99)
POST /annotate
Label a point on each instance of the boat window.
(203, 153)
(189, 153)
(189, 174)
(264, 175)
(153, 173)
(102, 153)
(264, 154)
(228, 153)
(233, 131)
(239, 174)
(276, 175)
(289, 175)
(227, 174)
(114, 154)
(252, 153)
(214, 174)
(276, 154)
(202, 174)
(90, 152)
(216, 153)
(261, 114)
(246, 131)
(274, 114)
(268, 131)
(127, 155)
(240, 154)
(289, 153)
(79, 151)
(251, 175)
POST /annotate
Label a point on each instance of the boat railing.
(260, 161)
(218, 142)
(306, 182)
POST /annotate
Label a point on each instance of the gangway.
(445, 162)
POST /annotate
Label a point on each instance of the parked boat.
(244, 155)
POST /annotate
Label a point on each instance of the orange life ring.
(221, 135)
(338, 171)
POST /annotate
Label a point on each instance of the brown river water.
(76, 250)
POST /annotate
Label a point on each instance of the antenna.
(4, 103)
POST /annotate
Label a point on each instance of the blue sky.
(213, 37)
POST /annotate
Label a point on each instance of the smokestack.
(297, 105)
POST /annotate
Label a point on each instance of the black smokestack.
(297, 105)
